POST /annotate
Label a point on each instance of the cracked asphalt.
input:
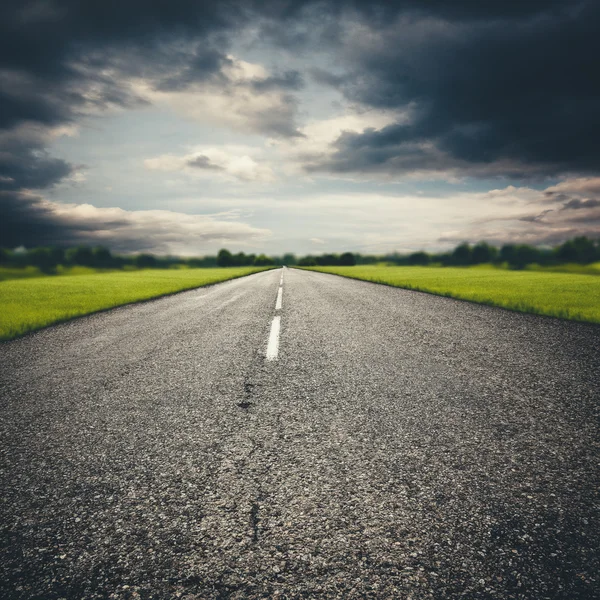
(403, 445)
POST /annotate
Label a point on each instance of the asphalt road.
(400, 445)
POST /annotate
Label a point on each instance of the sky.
(275, 126)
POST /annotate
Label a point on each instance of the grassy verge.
(593, 269)
(32, 303)
(7, 273)
(565, 295)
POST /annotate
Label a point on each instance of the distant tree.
(224, 258)
(41, 258)
(522, 256)
(289, 259)
(418, 258)
(483, 253)
(579, 249)
(508, 253)
(145, 261)
(81, 255)
(202, 262)
(347, 259)
(102, 257)
(567, 252)
(263, 260)
(365, 259)
(307, 261)
(327, 260)
(393, 257)
(241, 260)
(462, 254)
(5, 256)
(445, 258)
(58, 255)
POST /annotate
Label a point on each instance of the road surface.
(339, 439)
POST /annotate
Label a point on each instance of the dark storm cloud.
(183, 68)
(290, 80)
(24, 162)
(41, 42)
(51, 53)
(490, 88)
(515, 93)
(61, 59)
(31, 171)
(28, 220)
(54, 58)
(488, 81)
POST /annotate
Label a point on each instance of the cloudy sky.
(184, 126)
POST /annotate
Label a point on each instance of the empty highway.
(294, 434)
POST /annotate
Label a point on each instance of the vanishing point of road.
(294, 434)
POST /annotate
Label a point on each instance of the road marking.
(279, 299)
(273, 346)
(281, 279)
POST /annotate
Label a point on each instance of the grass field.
(7, 273)
(28, 304)
(564, 295)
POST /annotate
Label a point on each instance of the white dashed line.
(279, 299)
(273, 346)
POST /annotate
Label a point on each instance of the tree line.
(48, 258)
(580, 250)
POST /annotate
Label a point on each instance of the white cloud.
(318, 135)
(581, 187)
(525, 215)
(31, 134)
(372, 222)
(232, 162)
(235, 99)
(160, 231)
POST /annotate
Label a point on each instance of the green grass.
(19, 273)
(565, 295)
(31, 303)
(28, 272)
(592, 269)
